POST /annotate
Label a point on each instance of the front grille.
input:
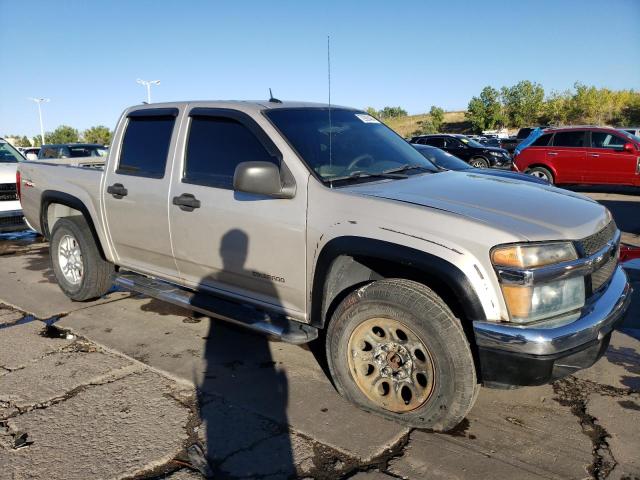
(593, 244)
(597, 241)
(11, 221)
(603, 274)
(8, 192)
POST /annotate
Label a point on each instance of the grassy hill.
(454, 122)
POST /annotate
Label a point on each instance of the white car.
(11, 217)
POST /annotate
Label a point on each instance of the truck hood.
(8, 172)
(534, 212)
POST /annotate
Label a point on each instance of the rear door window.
(434, 141)
(542, 141)
(451, 142)
(569, 139)
(146, 145)
(607, 140)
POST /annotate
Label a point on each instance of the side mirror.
(262, 178)
(629, 147)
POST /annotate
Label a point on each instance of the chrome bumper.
(596, 320)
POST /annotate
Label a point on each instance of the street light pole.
(148, 83)
(39, 101)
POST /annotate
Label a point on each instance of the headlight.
(528, 302)
(533, 255)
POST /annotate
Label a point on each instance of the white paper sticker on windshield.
(366, 118)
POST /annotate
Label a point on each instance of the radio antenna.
(329, 84)
(272, 99)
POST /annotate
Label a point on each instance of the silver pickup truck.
(295, 218)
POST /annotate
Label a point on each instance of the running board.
(242, 314)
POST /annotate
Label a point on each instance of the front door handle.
(553, 153)
(117, 190)
(594, 155)
(187, 202)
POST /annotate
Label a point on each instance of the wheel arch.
(345, 263)
(55, 205)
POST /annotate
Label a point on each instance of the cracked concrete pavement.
(128, 387)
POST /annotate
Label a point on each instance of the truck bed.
(76, 177)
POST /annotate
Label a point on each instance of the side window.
(569, 139)
(451, 142)
(145, 146)
(606, 140)
(542, 140)
(216, 145)
(434, 141)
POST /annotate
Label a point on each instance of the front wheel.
(81, 272)
(479, 162)
(394, 348)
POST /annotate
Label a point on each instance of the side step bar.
(242, 314)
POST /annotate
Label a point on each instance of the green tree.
(555, 109)
(523, 103)
(485, 112)
(62, 134)
(630, 112)
(19, 141)
(36, 141)
(431, 124)
(23, 141)
(372, 111)
(98, 134)
(437, 117)
(392, 112)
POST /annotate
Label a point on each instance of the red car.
(586, 155)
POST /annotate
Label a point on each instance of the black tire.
(454, 385)
(479, 162)
(541, 172)
(97, 273)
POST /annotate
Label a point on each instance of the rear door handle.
(187, 202)
(117, 190)
(553, 153)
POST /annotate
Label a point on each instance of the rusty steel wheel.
(394, 348)
(390, 364)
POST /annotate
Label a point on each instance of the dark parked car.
(472, 152)
(72, 150)
(447, 161)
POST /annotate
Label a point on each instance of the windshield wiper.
(361, 174)
(404, 168)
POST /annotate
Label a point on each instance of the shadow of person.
(239, 380)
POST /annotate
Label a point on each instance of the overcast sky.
(86, 55)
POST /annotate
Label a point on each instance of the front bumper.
(12, 220)
(502, 164)
(533, 355)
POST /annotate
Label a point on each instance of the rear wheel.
(479, 162)
(541, 172)
(396, 349)
(81, 272)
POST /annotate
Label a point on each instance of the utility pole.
(148, 83)
(39, 101)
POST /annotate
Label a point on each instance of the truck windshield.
(350, 145)
(8, 154)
